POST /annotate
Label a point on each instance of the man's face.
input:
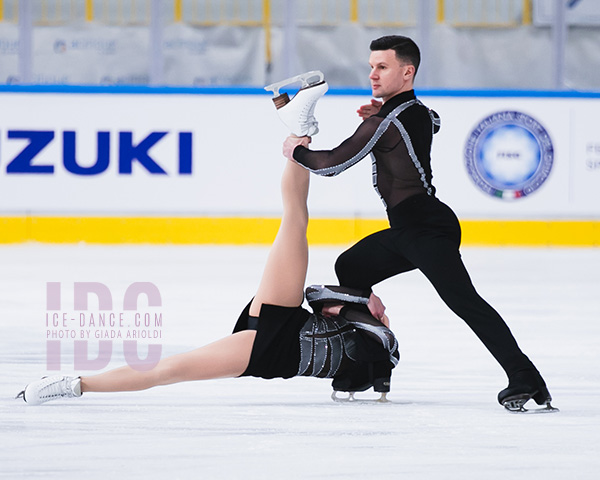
(389, 76)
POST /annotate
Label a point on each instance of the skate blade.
(352, 399)
(307, 79)
(517, 405)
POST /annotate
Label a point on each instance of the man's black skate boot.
(358, 379)
(376, 375)
(382, 375)
(523, 386)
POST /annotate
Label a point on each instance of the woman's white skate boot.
(297, 114)
(51, 388)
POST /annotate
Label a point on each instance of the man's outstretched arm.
(333, 162)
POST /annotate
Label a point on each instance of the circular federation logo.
(60, 46)
(509, 155)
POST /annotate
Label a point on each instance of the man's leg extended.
(444, 268)
(441, 263)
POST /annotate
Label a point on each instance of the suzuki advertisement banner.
(210, 154)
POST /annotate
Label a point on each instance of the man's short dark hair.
(406, 50)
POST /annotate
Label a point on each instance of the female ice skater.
(274, 336)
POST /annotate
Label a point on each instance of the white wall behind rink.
(237, 161)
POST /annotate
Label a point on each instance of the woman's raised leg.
(282, 284)
(283, 278)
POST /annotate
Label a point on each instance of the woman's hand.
(376, 307)
(331, 309)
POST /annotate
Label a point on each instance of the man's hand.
(376, 307)
(366, 111)
(292, 142)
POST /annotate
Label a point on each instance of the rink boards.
(144, 165)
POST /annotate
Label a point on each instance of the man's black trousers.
(425, 234)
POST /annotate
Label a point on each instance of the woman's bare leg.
(282, 284)
(224, 358)
(283, 278)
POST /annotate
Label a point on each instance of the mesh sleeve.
(333, 162)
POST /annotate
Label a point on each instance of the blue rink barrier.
(251, 90)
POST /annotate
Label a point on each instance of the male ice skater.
(424, 233)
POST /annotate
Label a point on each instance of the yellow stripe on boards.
(262, 231)
(531, 233)
(14, 229)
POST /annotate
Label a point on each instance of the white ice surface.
(443, 422)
